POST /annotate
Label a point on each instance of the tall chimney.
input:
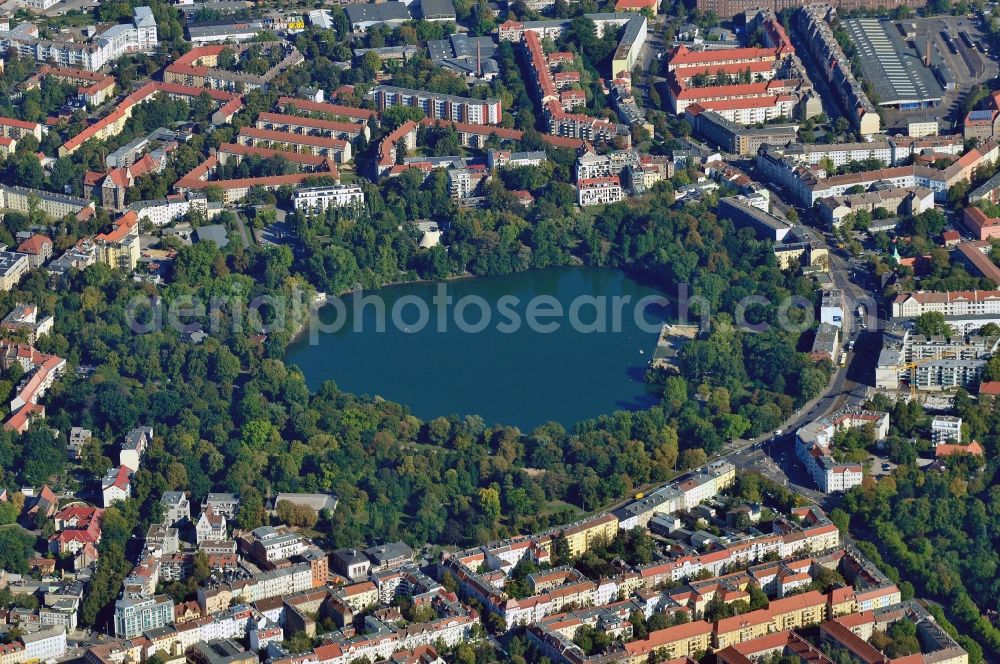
(927, 55)
(479, 59)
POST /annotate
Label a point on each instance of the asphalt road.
(774, 456)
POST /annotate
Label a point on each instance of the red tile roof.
(265, 153)
(682, 56)
(122, 227)
(662, 637)
(19, 124)
(231, 107)
(362, 114)
(980, 262)
(626, 5)
(730, 68)
(34, 244)
(293, 139)
(385, 149)
(599, 182)
(973, 448)
(295, 120)
(976, 220)
(990, 388)
(270, 181)
(122, 478)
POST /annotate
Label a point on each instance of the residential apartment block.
(137, 37)
(441, 106)
(735, 138)
(599, 191)
(946, 428)
(134, 446)
(137, 614)
(753, 212)
(814, 448)
(13, 268)
(17, 129)
(319, 199)
(729, 8)
(590, 165)
(819, 38)
(949, 303)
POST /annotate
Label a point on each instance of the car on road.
(886, 467)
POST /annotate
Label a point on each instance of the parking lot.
(949, 112)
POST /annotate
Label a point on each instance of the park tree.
(933, 323)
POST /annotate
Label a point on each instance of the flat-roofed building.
(319, 199)
(389, 556)
(734, 138)
(599, 191)
(13, 267)
(744, 211)
(367, 15)
(826, 343)
(221, 651)
(136, 614)
(946, 428)
(219, 32)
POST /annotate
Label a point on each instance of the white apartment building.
(134, 446)
(284, 581)
(211, 527)
(949, 374)
(949, 303)
(464, 182)
(507, 159)
(844, 153)
(878, 598)
(946, 428)
(46, 644)
(319, 199)
(176, 507)
(117, 485)
(225, 504)
(39, 5)
(706, 483)
(814, 448)
(273, 544)
(831, 308)
(599, 191)
(13, 267)
(591, 165)
(138, 37)
(161, 212)
(782, 107)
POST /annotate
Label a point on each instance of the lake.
(469, 347)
